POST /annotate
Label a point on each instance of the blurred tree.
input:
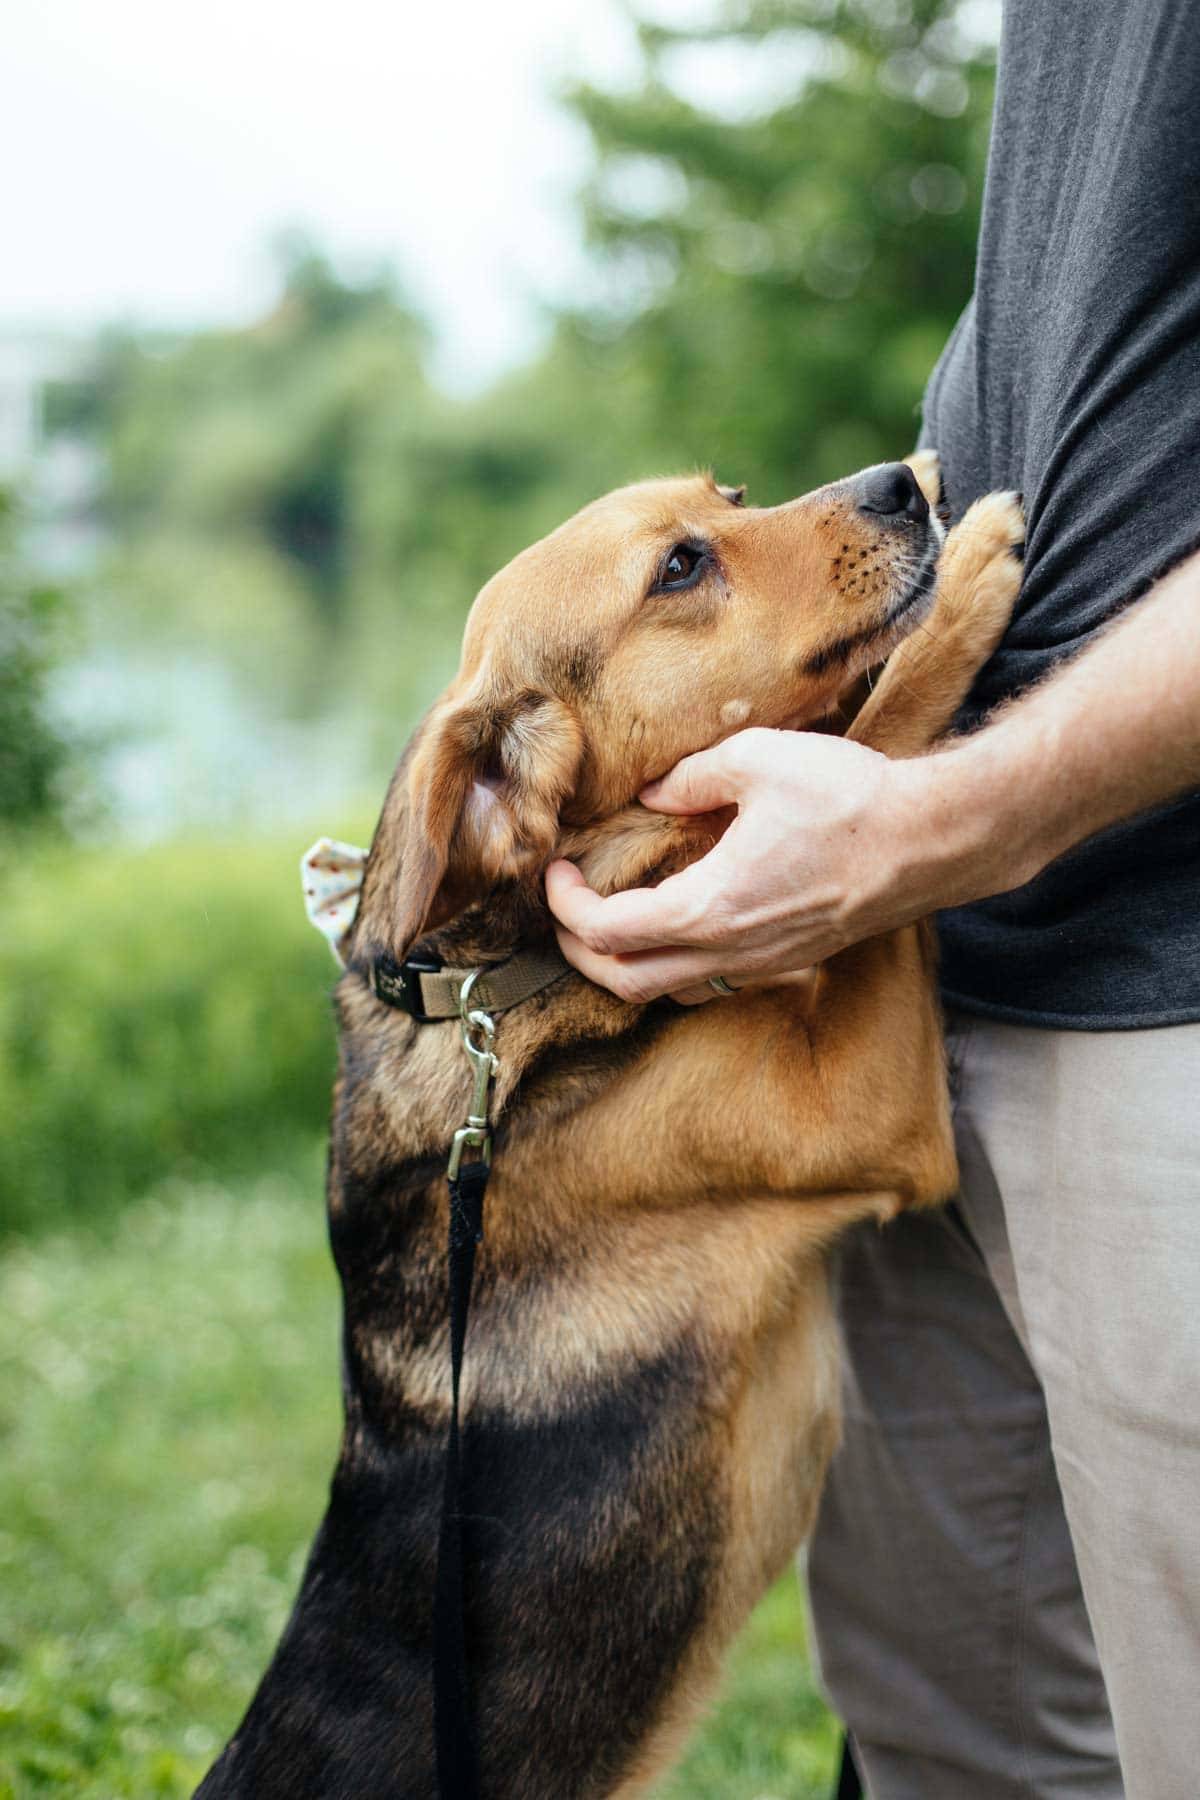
(256, 433)
(777, 281)
(33, 751)
(256, 483)
(775, 270)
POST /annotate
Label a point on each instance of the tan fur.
(921, 687)
(577, 686)
(695, 1189)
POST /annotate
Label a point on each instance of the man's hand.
(833, 842)
(829, 845)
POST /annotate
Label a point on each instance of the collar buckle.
(399, 984)
(478, 1034)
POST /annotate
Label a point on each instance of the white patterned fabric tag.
(332, 875)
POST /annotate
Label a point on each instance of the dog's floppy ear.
(475, 802)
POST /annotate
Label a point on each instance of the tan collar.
(428, 992)
(332, 874)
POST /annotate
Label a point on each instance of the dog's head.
(652, 624)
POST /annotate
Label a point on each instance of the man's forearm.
(833, 843)
(1115, 732)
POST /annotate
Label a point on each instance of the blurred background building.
(308, 322)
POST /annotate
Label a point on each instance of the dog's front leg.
(928, 677)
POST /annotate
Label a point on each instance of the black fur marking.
(578, 669)
(570, 1522)
(594, 1535)
(577, 1067)
(842, 647)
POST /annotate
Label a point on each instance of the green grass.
(769, 1736)
(169, 1405)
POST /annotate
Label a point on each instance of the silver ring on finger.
(719, 985)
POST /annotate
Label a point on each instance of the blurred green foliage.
(770, 291)
(779, 284)
(160, 1011)
(170, 1410)
(34, 753)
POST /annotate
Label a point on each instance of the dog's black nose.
(891, 491)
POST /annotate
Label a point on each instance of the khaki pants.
(1005, 1575)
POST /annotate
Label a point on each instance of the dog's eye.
(680, 568)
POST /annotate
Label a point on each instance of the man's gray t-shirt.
(1074, 376)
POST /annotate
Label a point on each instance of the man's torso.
(1074, 376)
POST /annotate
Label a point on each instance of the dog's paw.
(979, 575)
(988, 539)
(992, 527)
(926, 465)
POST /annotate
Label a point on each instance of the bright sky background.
(151, 150)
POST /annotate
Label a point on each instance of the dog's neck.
(633, 848)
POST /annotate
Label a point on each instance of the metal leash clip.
(476, 1134)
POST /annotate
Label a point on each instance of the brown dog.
(650, 1393)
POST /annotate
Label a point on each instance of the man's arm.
(833, 842)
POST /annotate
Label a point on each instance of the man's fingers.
(638, 919)
(803, 979)
(565, 887)
(701, 783)
(638, 978)
(683, 974)
(694, 996)
(604, 925)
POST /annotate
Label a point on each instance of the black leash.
(429, 991)
(849, 1786)
(455, 1740)
(453, 1724)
